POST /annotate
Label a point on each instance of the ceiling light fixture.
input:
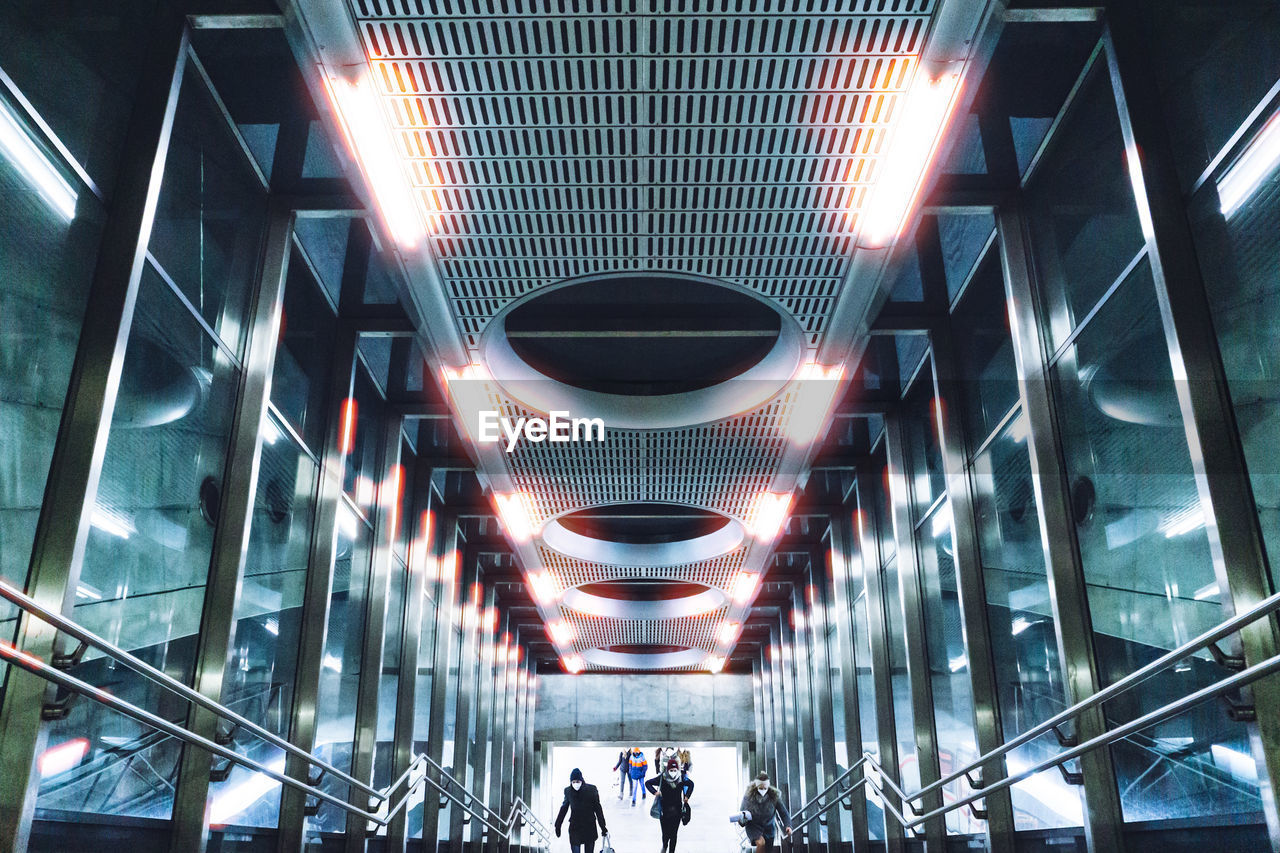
(744, 586)
(715, 663)
(25, 155)
(814, 390)
(544, 586)
(516, 512)
(467, 388)
(572, 664)
(768, 514)
(356, 105)
(925, 109)
(729, 632)
(1254, 166)
(561, 632)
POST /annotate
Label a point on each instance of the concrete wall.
(686, 707)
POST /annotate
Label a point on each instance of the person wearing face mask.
(672, 790)
(761, 806)
(582, 803)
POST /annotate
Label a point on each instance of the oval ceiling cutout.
(643, 351)
(643, 534)
(643, 599)
(634, 660)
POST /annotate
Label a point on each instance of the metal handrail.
(1263, 608)
(146, 670)
(382, 817)
(817, 798)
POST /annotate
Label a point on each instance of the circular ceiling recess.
(643, 351)
(644, 660)
(643, 599)
(643, 534)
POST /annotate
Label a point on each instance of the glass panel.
(389, 683)
(304, 357)
(382, 286)
(340, 666)
(376, 350)
(1083, 220)
(422, 709)
(1239, 257)
(1216, 62)
(911, 351)
(924, 451)
(1146, 557)
(450, 716)
(968, 156)
(948, 661)
(211, 214)
(46, 263)
(984, 351)
(88, 100)
(909, 286)
(867, 704)
(1020, 615)
(259, 678)
(325, 242)
(146, 561)
(361, 442)
(962, 237)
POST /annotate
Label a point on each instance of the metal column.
(901, 499)
(70, 491)
(1067, 589)
(486, 666)
(448, 598)
(971, 589)
(821, 680)
(1217, 455)
(468, 664)
(231, 540)
(842, 563)
(804, 699)
(319, 590)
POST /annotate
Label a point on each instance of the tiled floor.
(716, 795)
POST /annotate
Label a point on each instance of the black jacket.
(668, 793)
(583, 806)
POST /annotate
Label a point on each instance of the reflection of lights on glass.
(516, 512)
(272, 626)
(356, 105)
(364, 490)
(715, 663)
(229, 802)
(815, 389)
(925, 108)
(25, 156)
(958, 663)
(1019, 430)
(270, 432)
(1182, 523)
(572, 664)
(347, 434)
(468, 389)
(333, 663)
(86, 591)
(768, 514)
(1019, 625)
(797, 620)
(348, 522)
(729, 632)
(1208, 592)
(744, 585)
(1253, 167)
(111, 522)
(940, 524)
(63, 757)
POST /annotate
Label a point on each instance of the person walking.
(672, 789)
(623, 768)
(639, 766)
(582, 803)
(762, 805)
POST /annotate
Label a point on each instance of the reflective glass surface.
(305, 354)
(147, 557)
(211, 214)
(259, 679)
(865, 684)
(903, 713)
(924, 451)
(984, 350)
(341, 664)
(1020, 615)
(1145, 551)
(422, 706)
(961, 238)
(1080, 209)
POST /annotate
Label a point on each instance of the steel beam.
(448, 597)
(838, 598)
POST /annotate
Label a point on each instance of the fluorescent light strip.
(20, 150)
(925, 107)
(357, 105)
(1255, 165)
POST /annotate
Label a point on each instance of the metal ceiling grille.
(729, 139)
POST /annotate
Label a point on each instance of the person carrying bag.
(582, 804)
(671, 791)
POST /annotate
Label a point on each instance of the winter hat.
(575, 775)
(762, 776)
(673, 764)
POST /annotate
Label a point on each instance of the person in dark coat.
(672, 788)
(762, 805)
(582, 804)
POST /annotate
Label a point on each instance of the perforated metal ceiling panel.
(729, 140)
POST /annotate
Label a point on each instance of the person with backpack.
(582, 803)
(761, 806)
(672, 790)
(639, 766)
(623, 767)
